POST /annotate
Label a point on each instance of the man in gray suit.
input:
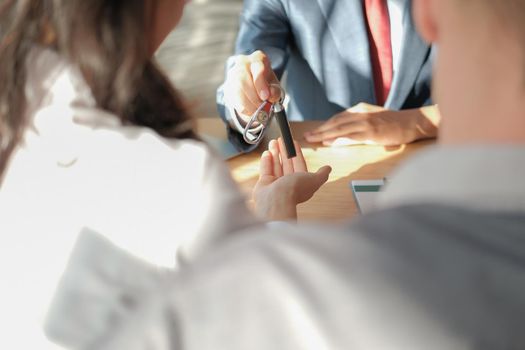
(360, 63)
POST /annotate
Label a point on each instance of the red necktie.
(378, 19)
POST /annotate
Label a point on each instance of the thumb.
(262, 75)
(275, 92)
(322, 174)
(313, 183)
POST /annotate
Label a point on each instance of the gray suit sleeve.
(263, 26)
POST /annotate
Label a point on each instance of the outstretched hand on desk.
(283, 183)
(369, 124)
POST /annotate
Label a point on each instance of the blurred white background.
(195, 52)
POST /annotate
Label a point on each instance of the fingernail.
(275, 91)
(264, 95)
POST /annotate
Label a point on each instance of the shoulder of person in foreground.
(156, 198)
(398, 277)
(177, 189)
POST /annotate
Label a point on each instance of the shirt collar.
(487, 178)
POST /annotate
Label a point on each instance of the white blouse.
(163, 201)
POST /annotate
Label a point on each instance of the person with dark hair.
(439, 265)
(92, 135)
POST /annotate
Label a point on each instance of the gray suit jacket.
(323, 47)
(418, 277)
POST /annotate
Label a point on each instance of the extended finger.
(266, 165)
(299, 163)
(286, 162)
(274, 150)
(322, 174)
(313, 181)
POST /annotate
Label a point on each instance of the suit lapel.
(345, 21)
(413, 54)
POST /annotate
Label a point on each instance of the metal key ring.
(263, 116)
(260, 116)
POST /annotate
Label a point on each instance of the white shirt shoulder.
(164, 201)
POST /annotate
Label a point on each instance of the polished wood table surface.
(334, 201)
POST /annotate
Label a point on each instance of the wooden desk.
(334, 201)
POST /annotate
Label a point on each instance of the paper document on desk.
(365, 194)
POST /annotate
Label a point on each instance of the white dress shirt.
(162, 201)
(397, 30)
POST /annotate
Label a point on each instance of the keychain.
(263, 116)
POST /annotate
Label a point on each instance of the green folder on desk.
(365, 194)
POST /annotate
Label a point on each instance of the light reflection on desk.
(334, 201)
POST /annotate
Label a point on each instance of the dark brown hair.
(106, 39)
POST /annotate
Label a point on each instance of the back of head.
(108, 41)
(479, 78)
(508, 13)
